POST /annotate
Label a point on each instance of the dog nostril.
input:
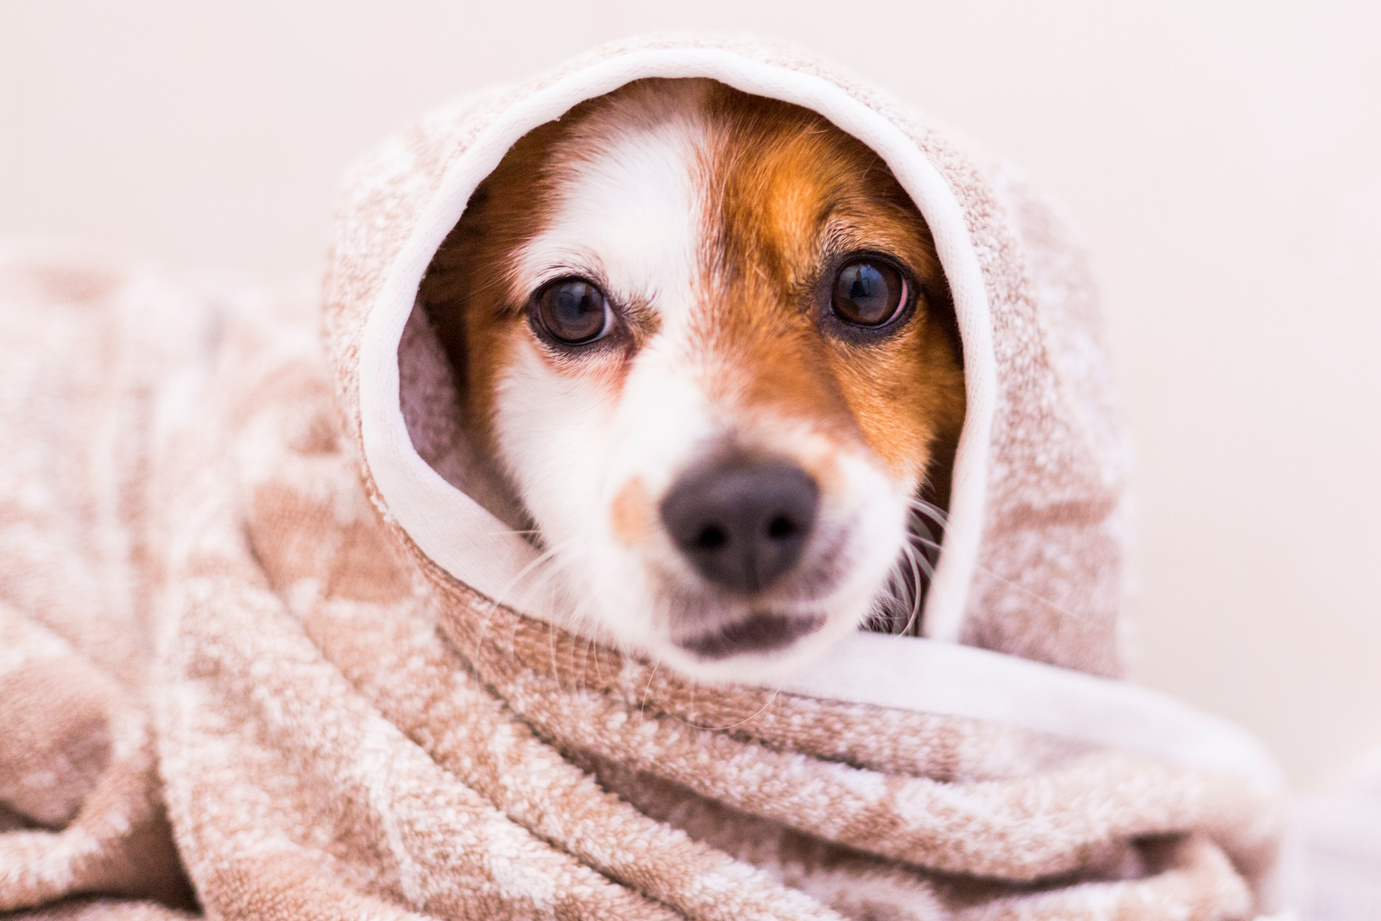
(781, 528)
(711, 538)
(742, 524)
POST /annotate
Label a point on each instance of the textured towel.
(249, 644)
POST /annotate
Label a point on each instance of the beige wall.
(1223, 159)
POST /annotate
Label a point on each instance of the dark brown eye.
(868, 293)
(573, 311)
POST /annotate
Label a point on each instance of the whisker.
(504, 597)
(521, 532)
(647, 688)
(910, 554)
(599, 669)
(752, 716)
(903, 595)
(706, 727)
(929, 510)
(551, 654)
(897, 594)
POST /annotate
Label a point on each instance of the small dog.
(705, 340)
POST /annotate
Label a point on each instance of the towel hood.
(1033, 571)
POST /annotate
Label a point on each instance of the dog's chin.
(759, 633)
(761, 647)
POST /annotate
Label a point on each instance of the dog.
(704, 341)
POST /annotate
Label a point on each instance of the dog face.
(706, 339)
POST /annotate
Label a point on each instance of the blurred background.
(1222, 158)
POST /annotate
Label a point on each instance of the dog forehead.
(630, 207)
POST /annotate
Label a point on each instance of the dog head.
(706, 341)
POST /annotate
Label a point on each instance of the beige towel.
(248, 632)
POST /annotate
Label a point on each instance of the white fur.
(631, 214)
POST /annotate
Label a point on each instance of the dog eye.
(868, 292)
(574, 311)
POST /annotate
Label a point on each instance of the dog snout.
(742, 524)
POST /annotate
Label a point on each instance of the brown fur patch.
(632, 514)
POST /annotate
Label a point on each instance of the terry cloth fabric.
(253, 662)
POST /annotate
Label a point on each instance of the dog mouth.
(762, 631)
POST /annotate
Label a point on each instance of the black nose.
(742, 523)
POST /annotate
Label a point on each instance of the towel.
(258, 659)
